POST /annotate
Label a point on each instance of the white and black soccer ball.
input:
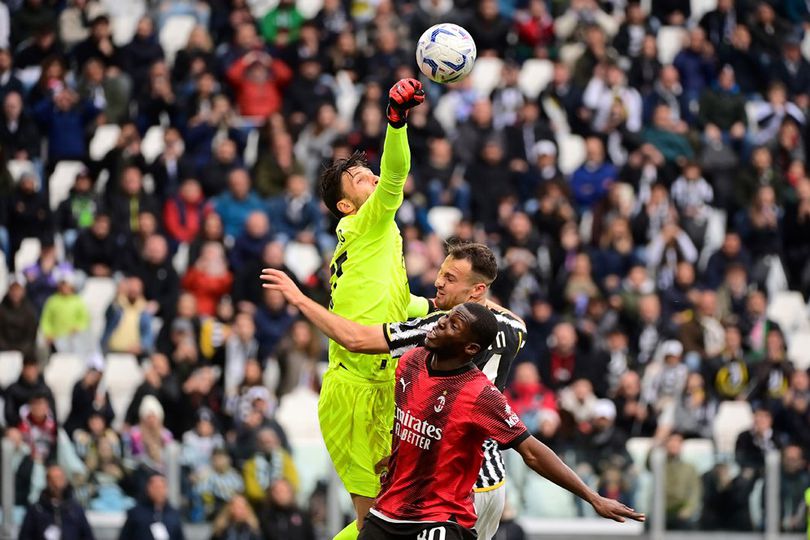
(446, 53)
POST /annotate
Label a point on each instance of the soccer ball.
(445, 53)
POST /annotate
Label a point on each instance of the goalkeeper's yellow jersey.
(369, 284)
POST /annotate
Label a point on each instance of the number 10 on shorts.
(436, 533)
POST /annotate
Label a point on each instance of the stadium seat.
(700, 453)
(259, 8)
(251, 153)
(62, 180)
(61, 373)
(445, 111)
(103, 141)
(799, 350)
(27, 254)
(571, 152)
(302, 259)
(10, 367)
(152, 144)
(122, 376)
(670, 41)
(700, 8)
(18, 167)
(639, 449)
(97, 293)
(788, 309)
(309, 8)
(443, 220)
(806, 45)
(534, 76)
(570, 53)
(544, 499)
(733, 417)
(4, 277)
(180, 259)
(298, 415)
(486, 75)
(174, 34)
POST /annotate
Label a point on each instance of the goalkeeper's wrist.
(396, 119)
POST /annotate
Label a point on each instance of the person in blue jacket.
(57, 514)
(153, 518)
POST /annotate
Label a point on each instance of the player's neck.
(447, 363)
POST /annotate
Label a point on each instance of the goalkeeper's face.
(358, 183)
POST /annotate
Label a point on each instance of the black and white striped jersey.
(495, 362)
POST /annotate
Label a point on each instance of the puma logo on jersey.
(403, 383)
(440, 406)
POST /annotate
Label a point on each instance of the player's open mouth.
(431, 334)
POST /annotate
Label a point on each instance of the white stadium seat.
(302, 259)
(10, 367)
(174, 34)
(309, 8)
(61, 373)
(544, 499)
(152, 144)
(788, 310)
(535, 76)
(443, 220)
(104, 140)
(486, 75)
(122, 376)
(571, 152)
(670, 41)
(4, 277)
(733, 417)
(27, 254)
(62, 180)
(639, 449)
(18, 167)
(700, 7)
(97, 293)
(700, 453)
(799, 350)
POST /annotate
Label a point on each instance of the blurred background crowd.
(638, 168)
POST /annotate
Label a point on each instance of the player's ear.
(479, 290)
(472, 349)
(345, 206)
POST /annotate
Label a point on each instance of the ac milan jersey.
(495, 362)
(442, 419)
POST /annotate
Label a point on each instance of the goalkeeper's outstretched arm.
(353, 336)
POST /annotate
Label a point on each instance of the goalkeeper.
(368, 285)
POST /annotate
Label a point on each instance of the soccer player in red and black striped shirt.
(445, 409)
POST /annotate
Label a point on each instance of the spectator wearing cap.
(77, 212)
(65, 319)
(128, 326)
(153, 517)
(665, 379)
(64, 117)
(56, 514)
(150, 430)
(603, 447)
(89, 398)
(29, 215)
(18, 131)
(18, 321)
(29, 383)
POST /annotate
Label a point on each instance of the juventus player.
(465, 276)
(445, 407)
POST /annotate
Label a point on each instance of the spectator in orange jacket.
(209, 279)
(257, 79)
(182, 214)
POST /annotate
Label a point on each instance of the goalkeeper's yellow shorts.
(356, 418)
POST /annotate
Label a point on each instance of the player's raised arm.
(396, 157)
(544, 462)
(353, 336)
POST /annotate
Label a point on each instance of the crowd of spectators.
(642, 318)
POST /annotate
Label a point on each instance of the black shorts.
(375, 528)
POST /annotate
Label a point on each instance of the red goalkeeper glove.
(405, 94)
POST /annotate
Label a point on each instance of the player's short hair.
(484, 326)
(330, 184)
(482, 260)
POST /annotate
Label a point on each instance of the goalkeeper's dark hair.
(330, 184)
(482, 260)
(484, 326)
